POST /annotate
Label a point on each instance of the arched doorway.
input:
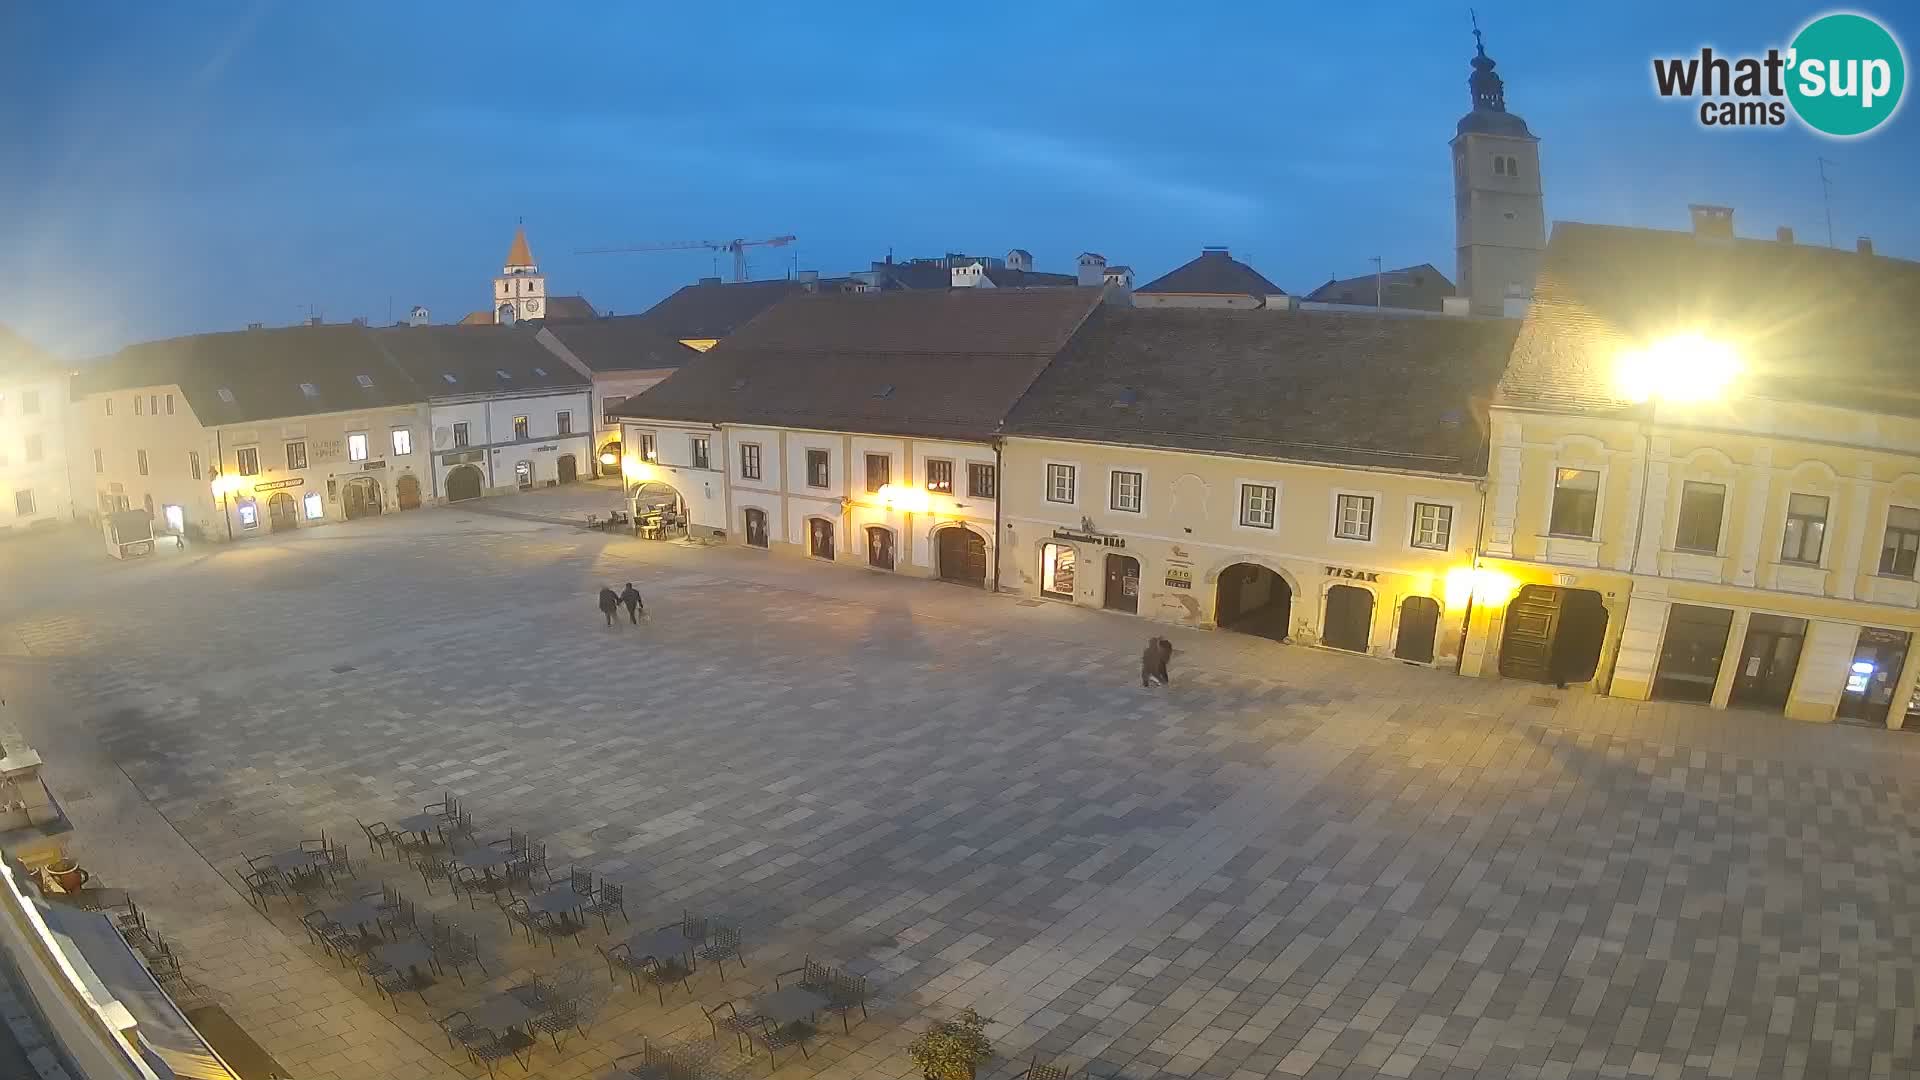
(609, 458)
(569, 467)
(1252, 599)
(1553, 635)
(1419, 623)
(1123, 584)
(362, 497)
(962, 555)
(281, 513)
(820, 538)
(658, 510)
(756, 527)
(1349, 622)
(879, 547)
(406, 491)
(464, 483)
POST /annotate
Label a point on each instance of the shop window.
(818, 471)
(981, 481)
(1576, 497)
(1701, 507)
(316, 506)
(1127, 491)
(1060, 483)
(1806, 532)
(1353, 517)
(939, 475)
(1056, 571)
(1432, 526)
(1257, 502)
(1691, 653)
(247, 458)
(523, 474)
(879, 471)
(1902, 541)
(249, 514)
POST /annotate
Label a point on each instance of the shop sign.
(1356, 575)
(326, 449)
(278, 484)
(372, 465)
(1090, 538)
(465, 457)
(1179, 578)
(548, 449)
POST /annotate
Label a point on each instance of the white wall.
(47, 477)
(490, 427)
(704, 490)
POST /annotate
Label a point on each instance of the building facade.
(282, 473)
(142, 446)
(620, 356)
(34, 467)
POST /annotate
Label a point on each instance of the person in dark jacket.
(630, 596)
(609, 603)
(1153, 661)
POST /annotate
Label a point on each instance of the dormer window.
(540, 371)
(309, 389)
(226, 395)
(448, 375)
(502, 372)
(365, 381)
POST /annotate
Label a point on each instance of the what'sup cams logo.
(1842, 76)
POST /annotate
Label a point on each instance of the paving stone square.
(1290, 863)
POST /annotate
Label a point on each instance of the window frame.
(522, 428)
(934, 485)
(885, 462)
(100, 461)
(400, 436)
(751, 465)
(244, 456)
(563, 422)
(462, 434)
(820, 470)
(1786, 528)
(649, 446)
(1593, 512)
(993, 480)
(1139, 492)
(1369, 507)
(32, 504)
(1416, 504)
(301, 445)
(140, 462)
(365, 448)
(1050, 482)
(193, 463)
(311, 500)
(700, 451)
(139, 405)
(1040, 579)
(1913, 553)
(1680, 519)
(1242, 505)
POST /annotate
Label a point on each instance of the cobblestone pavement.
(1290, 863)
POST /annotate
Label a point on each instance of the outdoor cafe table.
(666, 941)
(407, 955)
(500, 1013)
(556, 902)
(783, 1007)
(422, 824)
(484, 859)
(297, 861)
(360, 914)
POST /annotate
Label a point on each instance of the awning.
(112, 972)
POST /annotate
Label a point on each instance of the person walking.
(1153, 661)
(609, 603)
(630, 596)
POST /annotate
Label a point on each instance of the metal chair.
(581, 880)
(380, 837)
(456, 947)
(620, 957)
(259, 888)
(533, 860)
(518, 917)
(723, 941)
(396, 981)
(460, 1030)
(401, 917)
(813, 975)
(472, 882)
(776, 1037)
(573, 1007)
(493, 1052)
(515, 840)
(433, 866)
(339, 862)
(693, 927)
(656, 1063)
(611, 898)
(1037, 1071)
(725, 1017)
(845, 993)
(665, 972)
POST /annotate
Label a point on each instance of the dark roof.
(947, 363)
(1809, 323)
(18, 356)
(1421, 288)
(569, 307)
(475, 356)
(1343, 389)
(1492, 122)
(1215, 271)
(715, 309)
(263, 372)
(621, 343)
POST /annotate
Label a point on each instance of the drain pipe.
(999, 497)
(221, 454)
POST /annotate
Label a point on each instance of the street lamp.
(1687, 367)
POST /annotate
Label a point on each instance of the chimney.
(1784, 234)
(1864, 245)
(313, 320)
(1093, 269)
(1711, 222)
(256, 326)
(709, 281)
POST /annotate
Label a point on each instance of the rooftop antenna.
(1826, 195)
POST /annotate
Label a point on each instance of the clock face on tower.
(533, 307)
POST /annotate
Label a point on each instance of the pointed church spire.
(520, 256)
(1488, 91)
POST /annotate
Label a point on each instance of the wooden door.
(1123, 584)
(1349, 618)
(280, 511)
(963, 557)
(407, 492)
(569, 469)
(1419, 623)
(1527, 646)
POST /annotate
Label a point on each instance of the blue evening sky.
(172, 168)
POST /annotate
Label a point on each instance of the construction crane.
(737, 247)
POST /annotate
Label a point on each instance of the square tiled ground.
(1291, 863)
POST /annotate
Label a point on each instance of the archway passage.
(1419, 624)
(1349, 622)
(362, 497)
(406, 492)
(1251, 599)
(463, 483)
(962, 554)
(569, 468)
(281, 512)
(1553, 635)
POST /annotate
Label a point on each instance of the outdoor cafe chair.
(776, 1037)
(666, 971)
(724, 1017)
(460, 1030)
(456, 948)
(619, 957)
(397, 981)
(611, 898)
(845, 993)
(581, 880)
(496, 1050)
(723, 941)
(380, 837)
(813, 975)
(1037, 1071)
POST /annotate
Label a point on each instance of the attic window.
(502, 372)
(739, 384)
(1125, 399)
(366, 381)
(309, 389)
(448, 375)
(1450, 418)
(885, 391)
(226, 395)
(540, 371)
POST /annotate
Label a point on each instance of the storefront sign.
(1090, 538)
(545, 449)
(464, 457)
(278, 484)
(1178, 578)
(326, 449)
(1357, 575)
(372, 465)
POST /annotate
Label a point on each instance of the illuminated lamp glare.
(1680, 368)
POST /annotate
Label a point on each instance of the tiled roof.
(520, 254)
(1343, 389)
(569, 307)
(475, 356)
(478, 318)
(945, 363)
(620, 343)
(1420, 288)
(263, 372)
(1809, 323)
(715, 309)
(1214, 272)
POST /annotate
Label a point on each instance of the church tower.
(1500, 220)
(520, 292)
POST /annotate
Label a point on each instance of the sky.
(178, 168)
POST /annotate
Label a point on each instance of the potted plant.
(952, 1049)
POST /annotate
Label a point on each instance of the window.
(23, 503)
(1576, 495)
(1056, 571)
(520, 427)
(1902, 542)
(402, 441)
(169, 404)
(139, 405)
(1432, 526)
(365, 381)
(1806, 529)
(29, 402)
(193, 463)
(147, 504)
(99, 461)
(647, 450)
(109, 404)
(749, 461)
(1700, 512)
(297, 455)
(140, 461)
(316, 507)
(817, 469)
(1060, 483)
(980, 481)
(1126, 491)
(1499, 165)
(939, 475)
(34, 447)
(523, 473)
(502, 372)
(563, 422)
(459, 435)
(607, 407)
(226, 395)
(249, 514)
(879, 471)
(702, 451)
(357, 446)
(1353, 517)
(153, 404)
(248, 460)
(1256, 505)
(309, 390)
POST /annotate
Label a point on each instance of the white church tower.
(520, 292)
(1500, 221)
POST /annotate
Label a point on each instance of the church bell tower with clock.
(520, 292)
(1500, 223)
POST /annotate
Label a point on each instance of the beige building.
(34, 466)
(1304, 477)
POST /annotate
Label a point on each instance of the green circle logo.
(1846, 76)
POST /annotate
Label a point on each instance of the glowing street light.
(1680, 368)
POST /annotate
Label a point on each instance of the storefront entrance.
(281, 512)
(1349, 622)
(1690, 654)
(1768, 660)
(1419, 625)
(963, 556)
(879, 547)
(1058, 564)
(406, 491)
(820, 538)
(463, 483)
(756, 527)
(1553, 635)
(569, 467)
(362, 497)
(1252, 599)
(1871, 678)
(1123, 584)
